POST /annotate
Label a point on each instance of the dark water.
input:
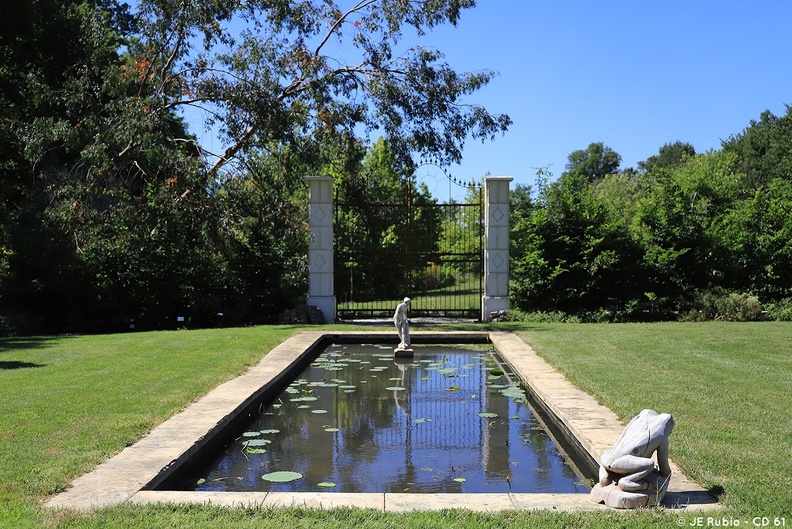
(359, 420)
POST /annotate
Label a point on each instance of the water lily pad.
(422, 420)
(514, 392)
(460, 480)
(257, 442)
(270, 431)
(332, 430)
(395, 388)
(256, 450)
(251, 434)
(318, 411)
(303, 399)
(326, 484)
(488, 415)
(283, 476)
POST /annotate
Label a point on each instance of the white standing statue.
(627, 474)
(402, 324)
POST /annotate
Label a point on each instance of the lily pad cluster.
(253, 444)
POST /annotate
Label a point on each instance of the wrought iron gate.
(430, 252)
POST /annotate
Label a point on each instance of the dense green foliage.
(690, 236)
(113, 214)
(373, 226)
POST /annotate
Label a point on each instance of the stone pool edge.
(128, 475)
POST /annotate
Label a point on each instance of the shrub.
(719, 304)
(781, 310)
(434, 277)
(541, 317)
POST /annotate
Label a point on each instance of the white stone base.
(490, 304)
(402, 352)
(327, 304)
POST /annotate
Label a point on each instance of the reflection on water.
(359, 420)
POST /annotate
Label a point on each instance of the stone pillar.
(321, 289)
(496, 245)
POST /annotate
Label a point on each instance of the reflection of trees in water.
(388, 440)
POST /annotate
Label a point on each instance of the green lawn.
(67, 403)
(464, 295)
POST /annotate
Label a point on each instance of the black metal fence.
(430, 252)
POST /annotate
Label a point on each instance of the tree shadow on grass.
(20, 344)
(27, 342)
(15, 364)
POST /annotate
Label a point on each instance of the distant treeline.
(683, 236)
(113, 216)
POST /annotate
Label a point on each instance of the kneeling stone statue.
(628, 478)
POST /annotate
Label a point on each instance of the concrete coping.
(132, 474)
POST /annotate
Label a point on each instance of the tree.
(763, 149)
(597, 161)
(373, 221)
(278, 81)
(461, 238)
(757, 242)
(678, 224)
(670, 155)
(574, 257)
(262, 237)
(128, 209)
(52, 92)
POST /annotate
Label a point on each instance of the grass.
(465, 295)
(68, 403)
(728, 386)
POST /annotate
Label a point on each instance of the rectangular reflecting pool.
(356, 420)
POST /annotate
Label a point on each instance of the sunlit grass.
(465, 295)
(728, 386)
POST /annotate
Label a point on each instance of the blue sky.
(631, 74)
